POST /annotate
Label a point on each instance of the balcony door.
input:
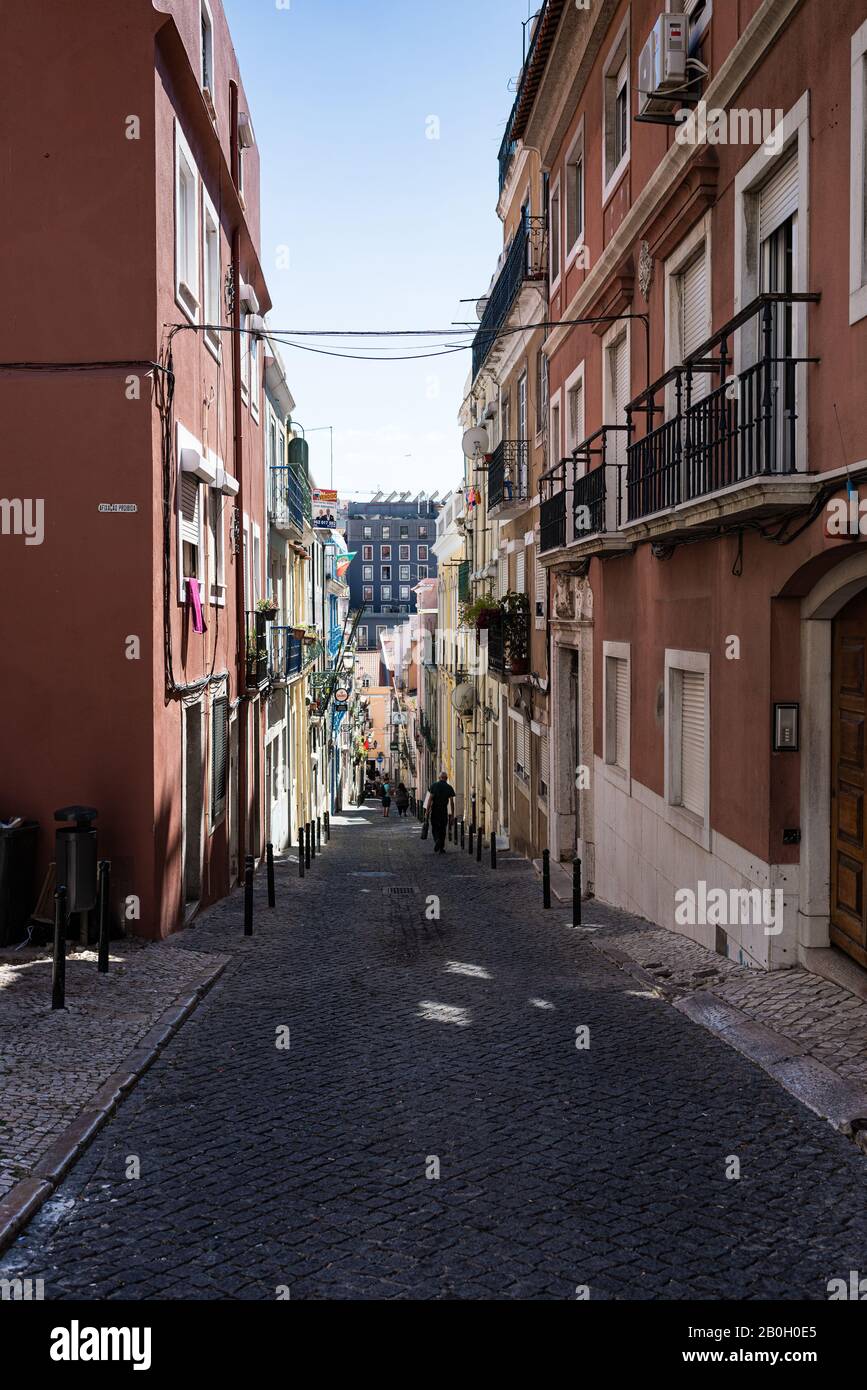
(778, 234)
(521, 469)
(848, 926)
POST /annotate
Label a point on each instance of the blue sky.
(385, 228)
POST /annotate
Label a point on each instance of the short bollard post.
(307, 844)
(576, 893)
(479, 839)
(311, 835)
(546, 878)
(300, 853)
(462, 833)
(248, 895)
(493, 849)
(272, 899)
(319, 833)
(103, 899)
(472, 833)
(327, 827)
(58, 972)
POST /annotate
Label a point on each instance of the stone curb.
(23, 1201)
(842, 1103)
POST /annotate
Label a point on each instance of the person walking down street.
(386, 798)
(401, 799)
(440, 804)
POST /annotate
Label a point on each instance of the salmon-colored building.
(135, 425)
(707, 176)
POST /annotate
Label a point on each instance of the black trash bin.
(76, 859)
(17, 879)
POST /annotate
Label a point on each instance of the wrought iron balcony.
(509, 474)
(526, 260)
(289, 499)
(597, 489)
(257, 650)
(497, 643)
(552, 511)
(743, 428)
(285, 653)
(541, 40)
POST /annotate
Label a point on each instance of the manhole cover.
(399, 892)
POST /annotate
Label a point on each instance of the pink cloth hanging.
(195, 598)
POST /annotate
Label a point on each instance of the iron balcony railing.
(525, 260)
(290, 498)
(463, 581)
(744, 425)
(509, 143)
(552, 509)
(257, 650)
(597, 493)
(285, 653)
(509, 473)
(497, 643)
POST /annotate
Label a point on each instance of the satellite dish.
(464, 698)
(475, 443)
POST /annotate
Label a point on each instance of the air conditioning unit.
(662, 66)
(246, 138)
(248, 299)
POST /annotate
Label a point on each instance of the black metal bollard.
(58, 972)
(272, 899)
(546, 878)
(307, 844)
(493, 849)
(327, 827)
(319, 833)
(472, 833)
(576, 892)
(462, 833)
(104, 893)
(248, 895)
(479, 840)
(311, 835)
(300, 853)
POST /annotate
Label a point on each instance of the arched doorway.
(848, 904)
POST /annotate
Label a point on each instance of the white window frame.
(206, 15)
(187, 296)
(367, 593)
(687, 822)
(405, 557)
(858, 179)
(185, 440)
(555, 233)
(622, 328)
(367, 574)
(257, 564)
(217, 814)
(618, 55)
(255, 357)
(555, 427)
(216, 546)
(213, 340)
(574, 380)
(675, 265)
(419, 555)
(621, 776)
(385, 593)
(576, 154)
(422, 572)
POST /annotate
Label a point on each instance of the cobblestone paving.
(827, 1019)
(454, 1039)
(51, 1064)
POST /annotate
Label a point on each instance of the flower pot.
(269, 614)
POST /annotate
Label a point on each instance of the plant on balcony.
(310, 634)
(515, 609)
(476, 612)
(268, 608)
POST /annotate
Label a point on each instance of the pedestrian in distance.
(401, 799)
(439, 805)
(386, 798)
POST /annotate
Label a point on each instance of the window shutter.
(504, 574)
(521, 572)
(219, 739)
(778, 200)
(544, 764)
(693, 304)
(541, 591)
(619, 369)
(621, 687)
(693, 740)
(188, 509)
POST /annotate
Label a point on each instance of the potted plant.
(310, 634)
(477, 612)
(268, 608)
(516, 631)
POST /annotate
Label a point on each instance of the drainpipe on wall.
(240, 596)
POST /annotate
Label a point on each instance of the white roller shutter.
(188, 508)
(693, 304)
(693, 742)
(576, 416)
(521, 746)
(621, 697)
(618, 368)
(544, 764)
(503, 577)
(521, 572)
(540, 580)
(778, 200)
(219, 741)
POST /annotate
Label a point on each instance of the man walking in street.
(439, 804)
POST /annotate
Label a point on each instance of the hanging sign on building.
(324, 509)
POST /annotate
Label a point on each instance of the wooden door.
(849, 780)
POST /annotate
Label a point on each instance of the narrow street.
(307, 1169)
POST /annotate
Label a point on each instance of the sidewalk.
(61, 1073)
(807, 1031)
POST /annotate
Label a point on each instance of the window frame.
(614, 772)
(619, 57)
(678, 815)
(213, 339)
(206, 18)
(555, 233)
(576, 158)
(422, 557)
(858, 179)
(187, 296)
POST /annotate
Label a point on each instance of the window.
(367, 554)
(404, 608)
(385, 552)
(521, 749)
(186, 229)
(367, 593)
(554, 234)
(219, 758)
(689, 304)
(616, 394)
(386, 533)
(617, 706)
(386, 572)
(575, 196)
(540, 581)
(421, 553)
(404, 572)
(404, 591)
(686, 731)
(385, 593)
(404, 531)
(189, 530)
(858, 179)
(368, 535)
(521, 572)
(362, 636)
(216, 551)
(541, 391)
(575, 433)
(422, 571)
(616, 114)
(554, 445)
(255, 382)
(211, 260)
(367, 571)
(522, 407)
(544, 766)
(207, 66)
(404, 552)
(379, 631)
(422, 532)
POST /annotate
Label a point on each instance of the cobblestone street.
(454, 1040)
